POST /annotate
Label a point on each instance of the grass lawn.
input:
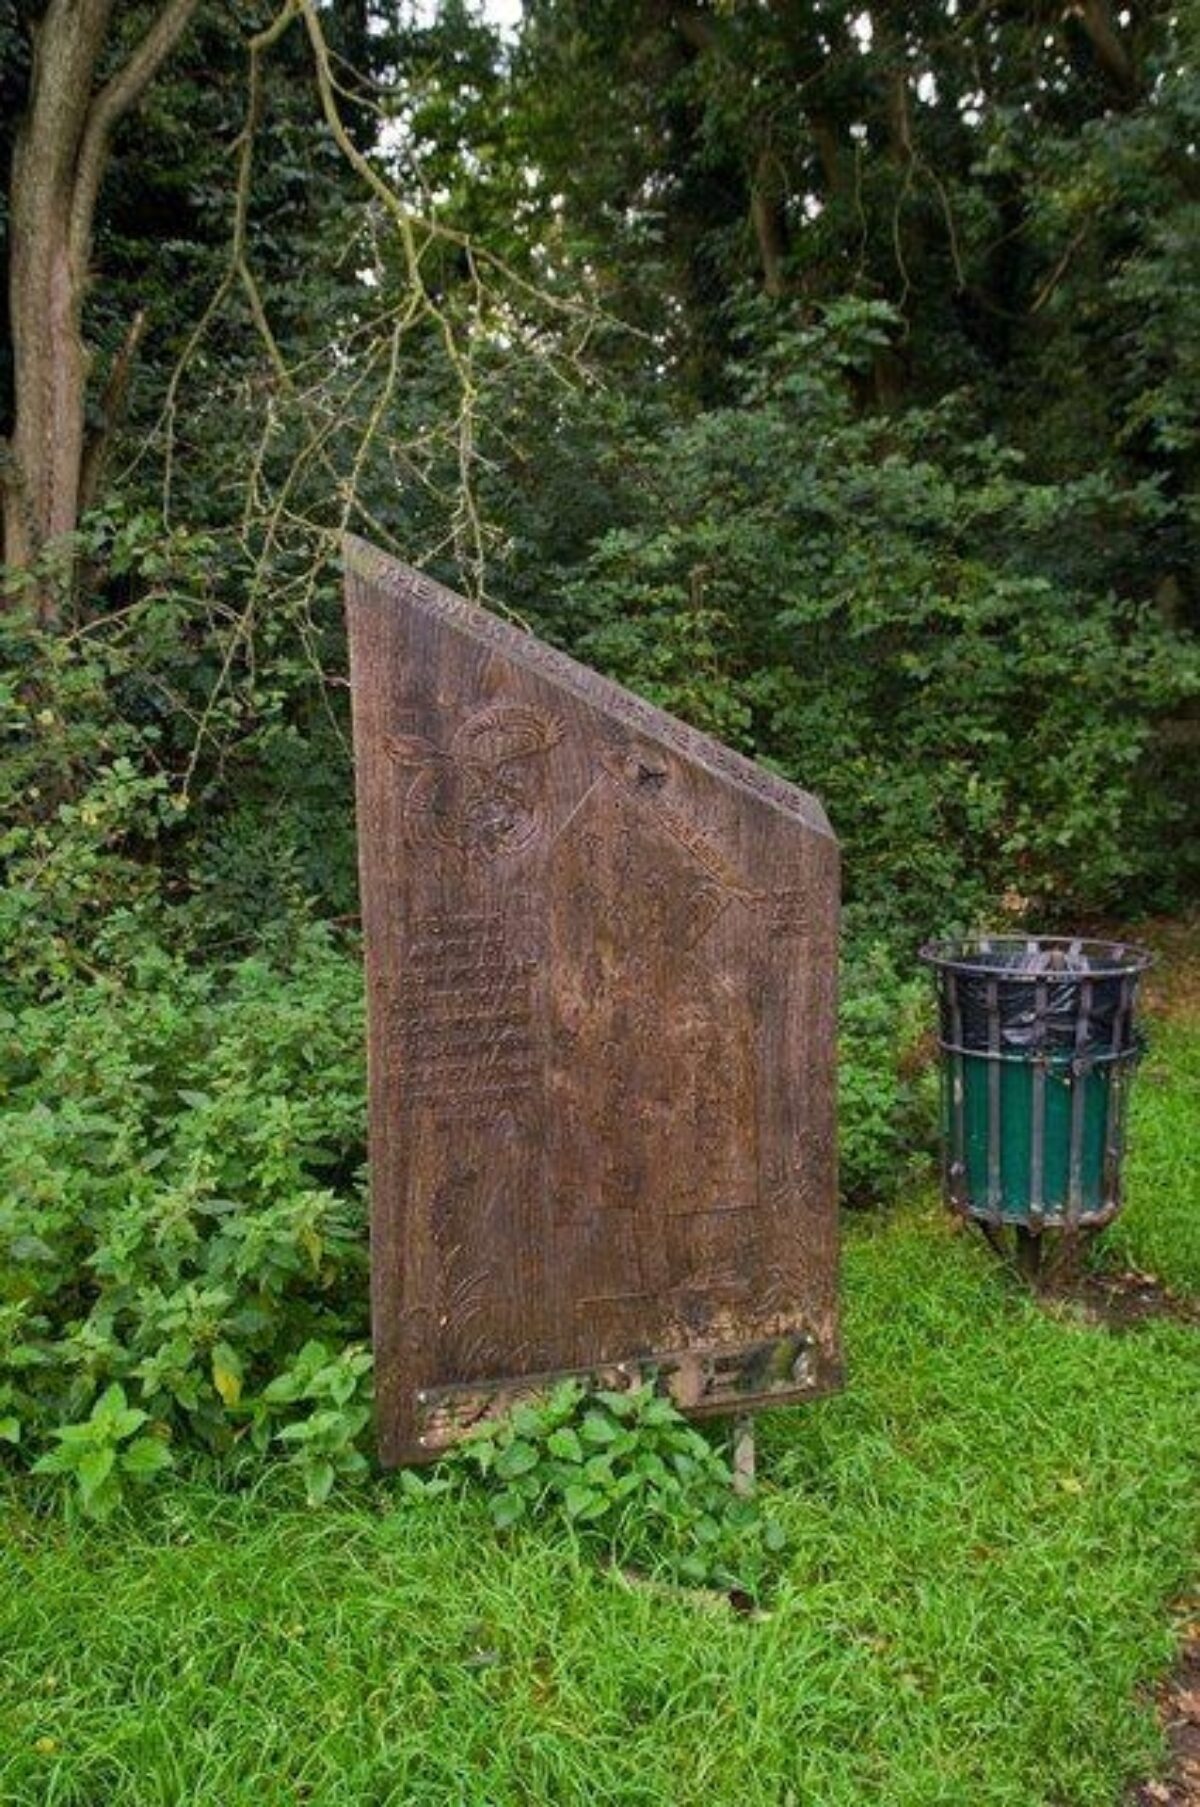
(989, 1535)
(1160, 1231)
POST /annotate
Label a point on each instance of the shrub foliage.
(182, 1245)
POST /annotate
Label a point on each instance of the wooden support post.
(743, 1456)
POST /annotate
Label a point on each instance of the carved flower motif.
(480, 797)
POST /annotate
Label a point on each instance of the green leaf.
(282, 1390)
(526, 1420)
(94, 1468)
(303, 1431)
(342, 1385)
(517, 1459)
(73, 1435)
(596, 1428)
(144, 1457)
(227, 1372)
(565, 1442)
(583, 1502)
(30, 1248)
(55, 1461)
(622, 1405)
(660, 1411)
(506, 1508)
(423, 1487)
(318, 1482)
(10, 1430)
(124, 1423)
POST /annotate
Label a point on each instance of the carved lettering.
(577, 679)
(462, 1019)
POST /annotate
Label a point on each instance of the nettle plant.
(627, 1472)
(182, 1226)
(105, 1451)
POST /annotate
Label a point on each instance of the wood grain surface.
(601, 964)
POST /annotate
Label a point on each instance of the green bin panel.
(1017, 1082)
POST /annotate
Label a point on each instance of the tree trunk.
(59, 155)
(1110, 53)
(768, 215)
(46, 284)
(50, 374)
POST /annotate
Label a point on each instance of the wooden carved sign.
(601, 958)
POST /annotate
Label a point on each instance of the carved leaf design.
(496, 736)
(412, 750)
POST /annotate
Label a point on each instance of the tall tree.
(59, 156)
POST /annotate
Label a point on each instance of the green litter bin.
(1039, 1042)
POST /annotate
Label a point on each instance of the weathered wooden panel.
(601, 960)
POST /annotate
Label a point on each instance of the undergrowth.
(182, 1218)
(182, 1198)
(631, 1477)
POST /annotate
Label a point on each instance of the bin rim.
(1105, 959)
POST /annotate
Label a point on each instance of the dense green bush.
(87, 788)
(167, 774)
(181, 1215)
(892, 611)
(887, 1079)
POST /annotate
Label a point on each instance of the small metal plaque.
(601, 964)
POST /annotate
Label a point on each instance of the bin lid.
(1034, 957)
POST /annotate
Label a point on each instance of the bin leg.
(1066, 1264)
(1029, 1253)
(1027, 1245)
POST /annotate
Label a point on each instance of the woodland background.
(827, 374)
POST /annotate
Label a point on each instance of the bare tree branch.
(98, 445)
(118, 95)
(1096, 19)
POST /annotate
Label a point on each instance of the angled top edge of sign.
(403, 582)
